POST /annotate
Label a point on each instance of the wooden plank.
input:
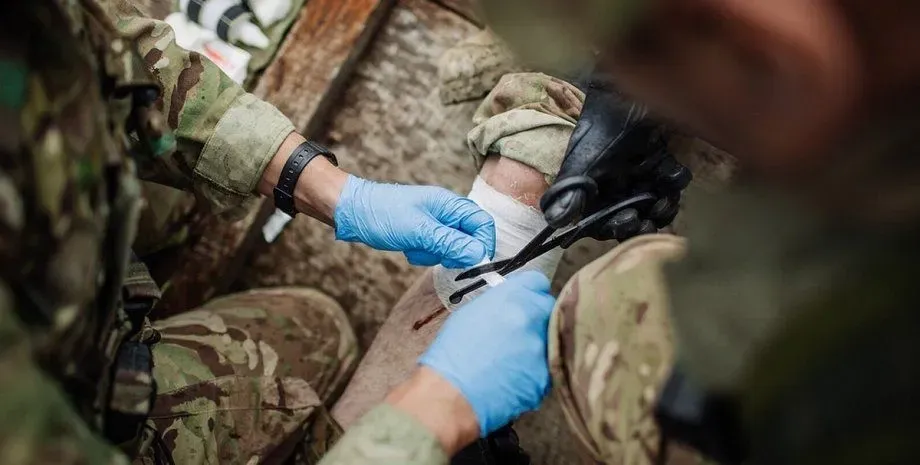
(465, 8)
(308, 76)
(317, 57)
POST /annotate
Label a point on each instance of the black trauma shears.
(546, 240)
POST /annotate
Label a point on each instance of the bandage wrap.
(516, 224)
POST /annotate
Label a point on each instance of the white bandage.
(492, 278)
(516, 224)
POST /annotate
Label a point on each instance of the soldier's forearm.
(439, 406)
(318, 188)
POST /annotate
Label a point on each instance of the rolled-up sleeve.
(241, 145)
(528, 117)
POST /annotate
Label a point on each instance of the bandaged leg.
(516, 224)
(508, 190)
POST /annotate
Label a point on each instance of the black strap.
(134, 359)
(227, 19)
(299, 159)
(194, 10)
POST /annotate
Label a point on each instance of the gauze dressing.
(516, 224)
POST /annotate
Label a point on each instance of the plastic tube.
(229, 19)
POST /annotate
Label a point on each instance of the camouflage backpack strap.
(133, 386)
(141, 294)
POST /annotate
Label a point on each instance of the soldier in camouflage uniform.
(93, 95)
(793, 300)
(256, 366)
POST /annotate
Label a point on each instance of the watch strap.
(299, 159)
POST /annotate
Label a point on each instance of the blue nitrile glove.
(431, 225)
(493, 350)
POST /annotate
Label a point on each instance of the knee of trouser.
(611, 348)
(311, 332)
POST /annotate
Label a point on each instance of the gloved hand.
(430, 225)
(616, 152)
(493, 350)
(657, 173)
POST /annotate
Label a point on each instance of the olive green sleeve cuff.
(387, 436)
(536, 139)
(244, 141)
(528, 117)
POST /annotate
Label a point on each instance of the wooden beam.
(309, 75)
(317, 58)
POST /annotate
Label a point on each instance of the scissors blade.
(478, 271)
(527, 253)
(545, 241)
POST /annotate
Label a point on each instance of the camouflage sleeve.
(37, 423)
(528, 117)
(386, 436)
(611, 348)
(225, 136)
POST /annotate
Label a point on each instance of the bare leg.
(418, 315)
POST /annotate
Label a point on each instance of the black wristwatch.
(299, 159)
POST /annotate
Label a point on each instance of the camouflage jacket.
(69, 203)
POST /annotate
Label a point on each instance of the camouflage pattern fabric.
(69, 209)
(528, 117)
(387, 436)
(212, 117)
(242, 378)
(473, 68)
(611, 349)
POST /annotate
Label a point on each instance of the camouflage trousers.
(611, 349)
(246, 378)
